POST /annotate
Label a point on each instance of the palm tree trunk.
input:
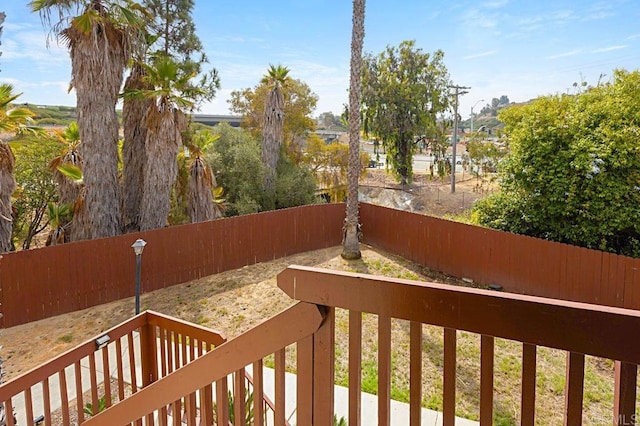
(351, 246)
(272, 141)
(164, 127)
(98, 61)
(7, 186)
(134, 156)
(201, 182)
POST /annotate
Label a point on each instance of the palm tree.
(14, 121)
(350, 241)
(134, 157)
(59, 218)
(201, 184)
(69, 189)
(165, 121)
(272, 128)
(100, 37)
(202, 191)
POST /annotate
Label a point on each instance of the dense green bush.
(573, 172)
(238, 168)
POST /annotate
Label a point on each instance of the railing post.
(149, 358)
(624, 399)
(323, 370)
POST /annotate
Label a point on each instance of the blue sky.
(518, 48)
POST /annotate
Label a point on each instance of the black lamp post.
(138, 247)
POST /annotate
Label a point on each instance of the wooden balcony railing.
(308, 329)
(107, 369)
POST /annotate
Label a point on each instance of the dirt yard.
(424, 195)
(230, 302)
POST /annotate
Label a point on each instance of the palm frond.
(71, 171)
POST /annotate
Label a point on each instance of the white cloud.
(482, 54)
(31, 45)
(565, 54)
(495, 4)
(610, 48)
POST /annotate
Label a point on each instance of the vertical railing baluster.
(79, 396)
(528, 397)
(207, 406)
(176, 411)
(258, 394)
(190, 408)
(384, 370)
(574, 389)
(120, 369)
(183, 350)
(106, 376)
(8, 409)
(163, 352)
(415, 373)
(28, 405)
(170, 351)
(449, 379)
(64, 397)
(222, 404)
(304, 381)
(94, 382)
(280, 386)
(624, 398)
(132, 364)
(487, 344)
(355, 368)
(46, 400)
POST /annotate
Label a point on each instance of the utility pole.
(460, 90)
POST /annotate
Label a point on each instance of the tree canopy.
(299, 104)
(235, 158)
(573, 172)
(404, 89)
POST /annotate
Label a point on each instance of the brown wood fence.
(518, 263)
(41, 283)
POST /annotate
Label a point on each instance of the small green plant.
(339, 421)
(248, 406)
(89, 409)
(67, 338)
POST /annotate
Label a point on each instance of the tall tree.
(165, 121)
(404, 89)
(134, 155)
(100, 35)
(299, 105)
(272, 126)
(13, 121)
(171, 39)
(201, 205)
(351, 238)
